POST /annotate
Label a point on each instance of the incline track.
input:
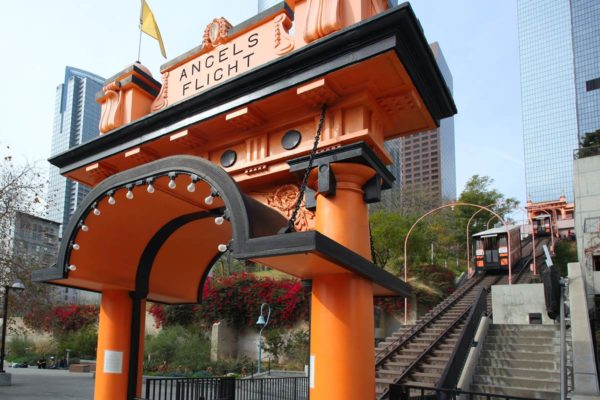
(418, 355)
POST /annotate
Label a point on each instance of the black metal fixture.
(291, 139)
(228, 158)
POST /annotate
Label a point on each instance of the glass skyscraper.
(559, 49)
(76, 119)
(585, 21)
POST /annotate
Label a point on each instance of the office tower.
(428, 158)
(559, 46)
(76, 119)
(585, 28)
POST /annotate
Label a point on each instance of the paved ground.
(37, 384)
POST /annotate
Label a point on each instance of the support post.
(4, 325)
(342, 319)
(118, 341)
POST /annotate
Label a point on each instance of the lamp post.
(17, 286)
(262, 323)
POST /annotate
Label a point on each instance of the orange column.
(342, 320)
(117, 312)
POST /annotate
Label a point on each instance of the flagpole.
(140, 41)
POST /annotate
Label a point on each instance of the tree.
(20, 188)
(591, 139)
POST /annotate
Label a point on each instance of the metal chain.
(309, 167)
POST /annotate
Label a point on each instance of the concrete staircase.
(520, 360)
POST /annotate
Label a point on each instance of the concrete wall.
(586, 185)
(512, 304)
(584, 360)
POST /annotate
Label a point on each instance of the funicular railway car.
(491, 250)
(541, 225)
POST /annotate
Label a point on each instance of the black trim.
(135, 68)
(359, 153)
(205, 276)
(394, 30)
(134, 345)
(254, 227)
(144, 269)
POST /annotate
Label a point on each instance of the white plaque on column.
(113, 362)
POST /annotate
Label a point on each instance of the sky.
(479, 40)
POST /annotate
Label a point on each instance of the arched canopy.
(149, 230)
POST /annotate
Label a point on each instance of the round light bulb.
(209, 199)
(75, 246)
(219, 220)
(97, 211)
(129, 194)
(191, 187)
(172, 184)
(84, 228)
(72, 268)
(111, 200)
(222, 248)
(150, 188)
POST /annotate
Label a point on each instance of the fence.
(295, 388)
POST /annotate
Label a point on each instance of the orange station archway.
(185, 168)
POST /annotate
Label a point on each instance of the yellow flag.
(148, 26)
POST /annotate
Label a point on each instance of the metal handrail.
(451, 373)
(384, 354)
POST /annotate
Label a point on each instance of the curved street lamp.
(451, 205)
(469, 237)
(262, 323)
(17, 286)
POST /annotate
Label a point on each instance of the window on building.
(592, 225)
(592, 84)
(596, 262)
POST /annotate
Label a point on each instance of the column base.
(5, 379)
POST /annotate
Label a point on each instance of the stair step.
(529, 340)
(517, 392)
(519, 373)
(514, 382)
(524, 348)
(550, 366)
(519, 355)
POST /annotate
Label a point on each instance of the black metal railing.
(451, 374)
(406, 392)
(290, 388)
(584, 152)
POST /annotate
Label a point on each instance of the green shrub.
(176, 348)
(82, 343)
(21, 349)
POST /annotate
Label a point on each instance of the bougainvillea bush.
(63, 319)
(237, 299)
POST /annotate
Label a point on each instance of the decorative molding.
(244, 118)
(284, 43)
(322, 18)
(162, 100)
(141, 155)
(257, 148)
(100, 170)
(111, 114)
(216, 33)
(283, 198)
(259, 169)
(317, 93)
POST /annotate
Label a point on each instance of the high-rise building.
(428, 158)
(76, 119)
(559, 46)
(585, 28)
(34, 241)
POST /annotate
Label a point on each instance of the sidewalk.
(37, 384)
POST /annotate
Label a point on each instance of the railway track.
(418, 355)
